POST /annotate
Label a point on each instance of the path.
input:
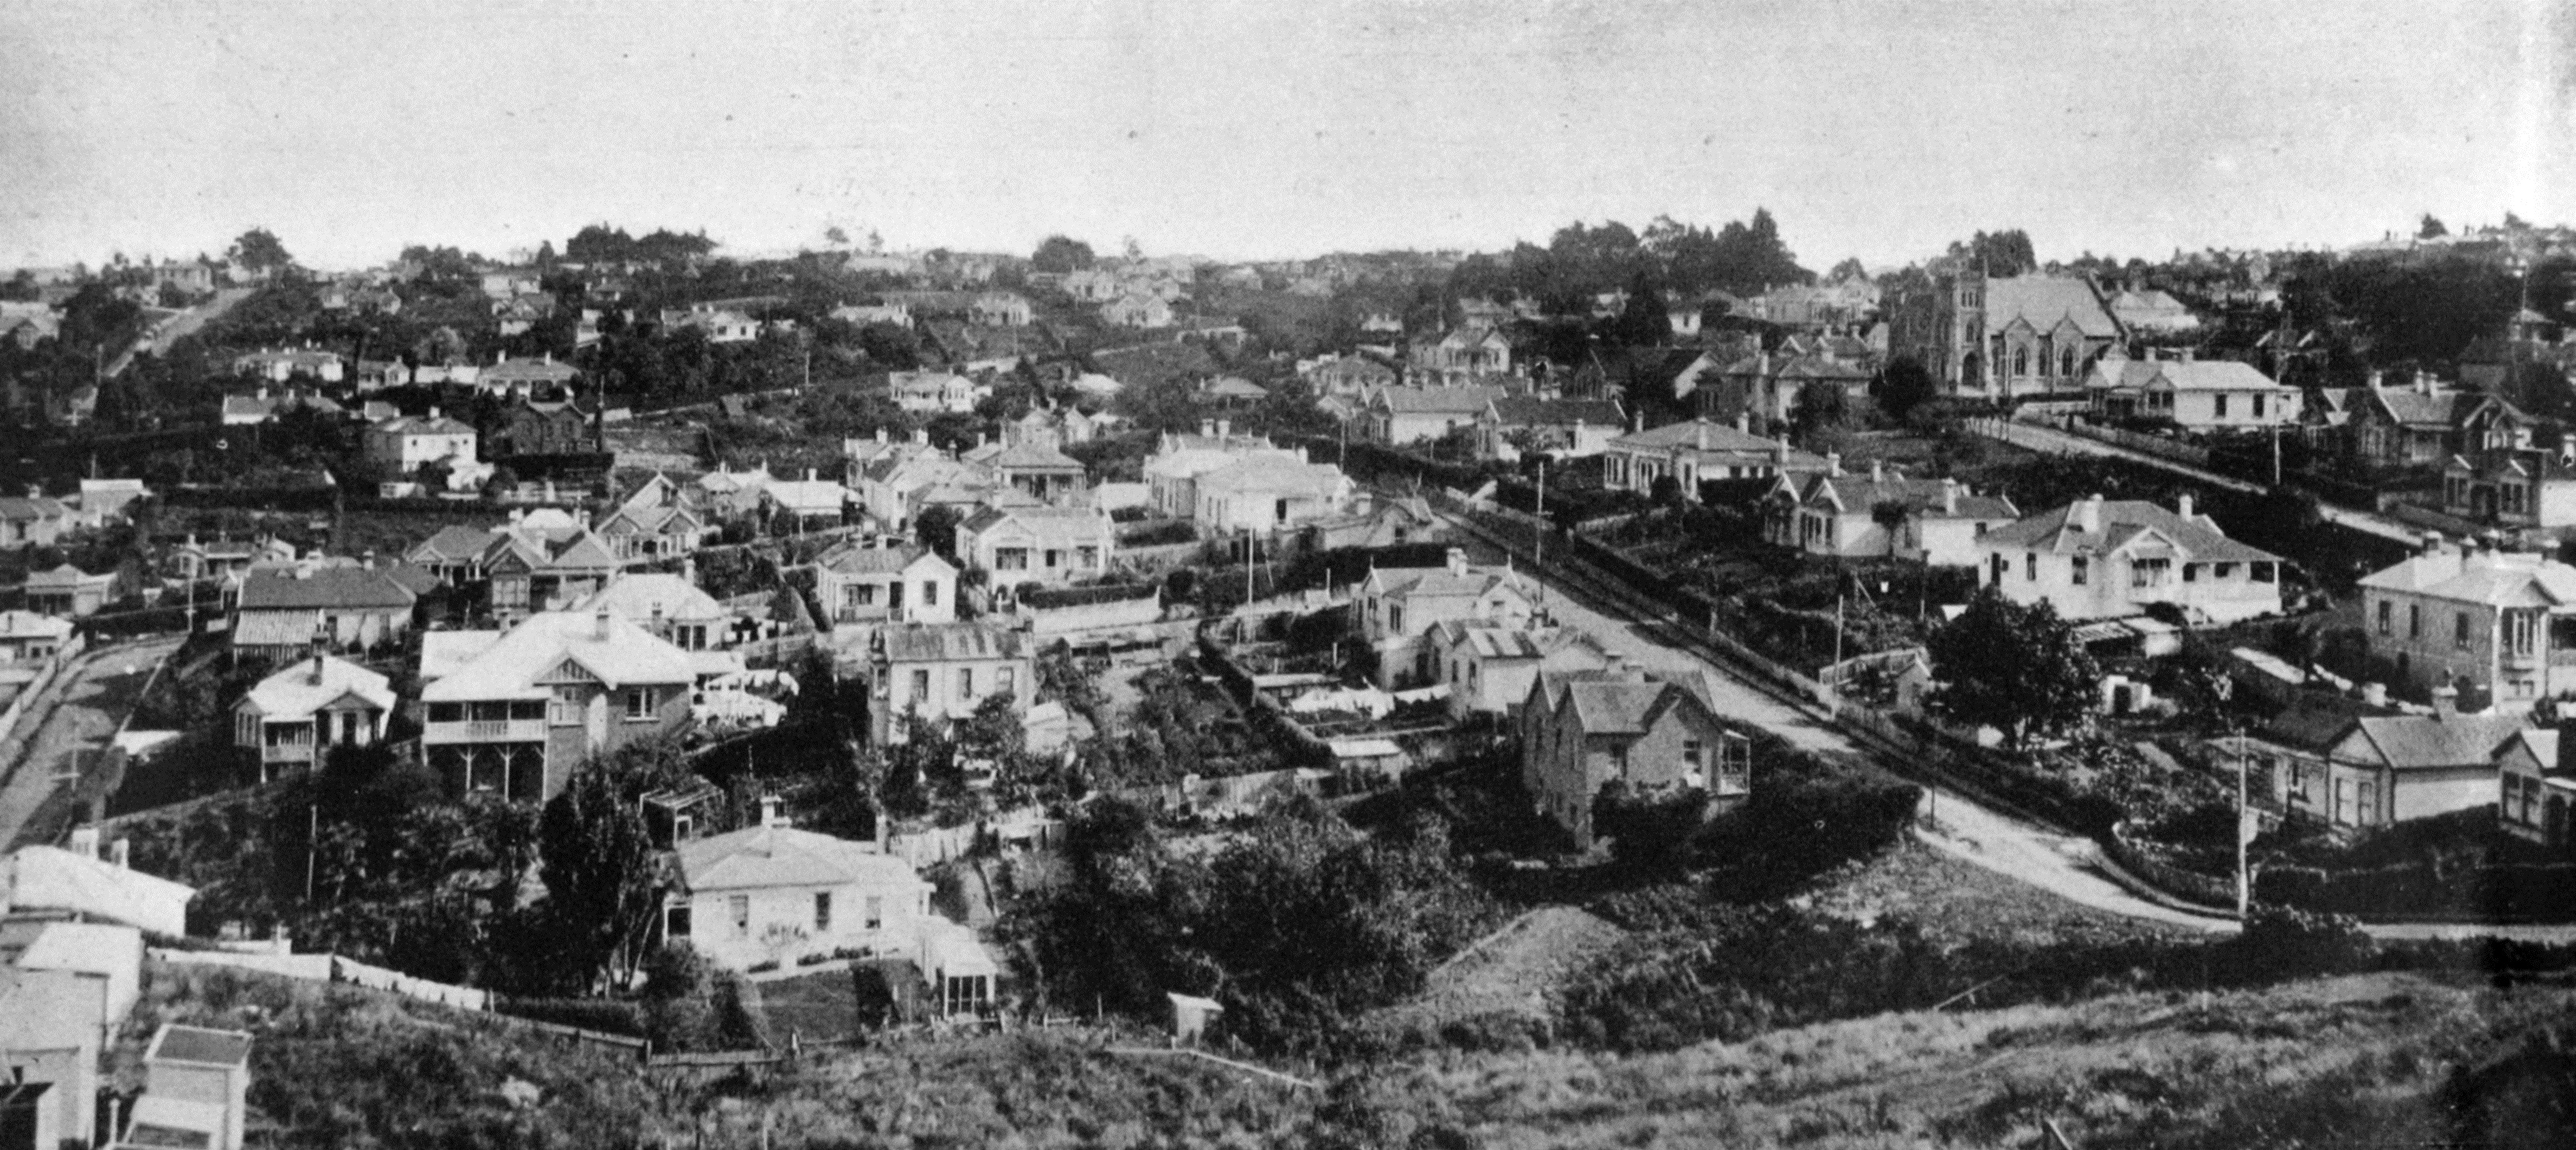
(85, 705)
(2054, 442)
(2056, 861)
(181, 325)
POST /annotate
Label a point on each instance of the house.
(1399, 606)
(774, 894)
(896, 490)
(516, 718)
(933, 391)
(2001, 338)
(2537, 789)
(1462, 354)
(2530, 489)
(54, 1027)
(1179, 460)
(37, 520)
(1396, 416)
(1137, 311)
(1037, 544)
(507, 282)
(1267, 492)
(524, 378)
(1041, 472)
(1377, 521)
(810, 501)
(1933, 521)
(2498, 622)
(261, 407)
(1052, 428)
(548, 427)
(1564, 428)
(908, 583)
(228, 558)
(2105, 559)
(281, 365)
(2216, 395)
(718, 325)
(28, 637)
(517, 314)
(1489, 670)
(1348, 375)
(943, 671)
(2426, 422)
(196, 1089)
(2150, 312)
(1701, 451)
(455, 555)
(67, 592)
(1226, 391)
(531, 570)
(407, 442)
(862, 315)
(1769, 390)
(284, 613)
(655, 522)
(101, 500)
(730, 494)
(292, 718)
(74, 881)
(1000, 309)
(668, 607)
(2355, 771)
(1584, 730)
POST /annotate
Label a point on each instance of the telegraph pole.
(2244, 891)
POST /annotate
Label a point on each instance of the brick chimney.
(2088, 514)
(315, 676)
(1702, 440)
(599, 624)
(1949, 496)
(2183, 505)
(770, 815)
(2446, 704)
(1457, 561)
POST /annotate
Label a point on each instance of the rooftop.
(776, 856)
(597, 645)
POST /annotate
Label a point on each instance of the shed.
(1190, 1017)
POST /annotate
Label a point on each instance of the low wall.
(2189, 885)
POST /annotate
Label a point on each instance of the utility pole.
(2244, 891)
(1539, 564)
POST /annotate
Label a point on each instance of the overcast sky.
(1882, 129)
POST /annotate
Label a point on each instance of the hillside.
(2334, 1062)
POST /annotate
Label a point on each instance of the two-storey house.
(291, 719)
(2106, 559)
(1173, 471)
(2500, 622)
(515, 718)
(1584, 730)
(1934, 521)
(406, 443)
(934, 671)
(1489, 670)
(2528, 490)
(1399, 606)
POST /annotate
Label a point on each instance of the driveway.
(79, 712)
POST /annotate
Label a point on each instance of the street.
(81, 711)
(2052, 860)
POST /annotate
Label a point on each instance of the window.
(2148, 572)
(876, 912)
(2521, 632)
(1008, 682)
(1690, 753)
(862, 594)
(2258, 407)
(929, 594)
(566, 707)
(920, 685)
(2030, 566)
(1395, 618)
(2191, 572)
(2263, 572)
(822, 911)
(2414, 620)
(1619, 758)
(1089, 557)
(965, 684)
(1054, 558)
(738, 908)
(2222, 570)
(2081, 568)
(639, 704)
(2021, 361)
(2460, 629)
(2218, 406)
(2066, 361)
(675, 921)
(2387, 611)
(1010, 559)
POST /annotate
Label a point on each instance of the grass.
(1959, 902)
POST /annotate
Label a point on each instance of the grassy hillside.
(2365, 1059)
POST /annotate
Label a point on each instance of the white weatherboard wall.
(781, 925)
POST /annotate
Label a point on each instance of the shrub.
(2282, 942)
(600, 1014)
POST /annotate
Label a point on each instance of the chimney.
(316, 677)
(1225, 429)
(2374, 694)
(2432, 543)
(689, 569)
(2423, 382)
(85, 842)
(1702, 430)
(2377, 378)
(2182, 505)
(1780, 449)
(769, 814)
(2446, 702)
(2190, 354)
(1877, 471)
(599, 624)
(1207, 429)
(881, 435)
(1949, 496)
(35, 491)
(921, 436)
(505, 358)
(1744, 422)
(1457, 561)
(809, 475)
(2088, 514)
(121, 854)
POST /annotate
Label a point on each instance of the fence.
(333, 968)
(2193, 886)
(2155, 445)
(36, 687)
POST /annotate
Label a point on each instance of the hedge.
(2513, 890)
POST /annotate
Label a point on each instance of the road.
(180, 325)
(81, 710)
(2053, 860)
(2052, 441)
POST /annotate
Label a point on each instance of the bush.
(599, 1014)
(2282, 942)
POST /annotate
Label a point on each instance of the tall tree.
(602, 879)
(2430, 228)
(1061, 254)
(2012, 666)
(259, 251)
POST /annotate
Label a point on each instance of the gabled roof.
(455, 543)
(1529, 411)
(2433, 742)
(2495, 579)
(18, 509)
(1435, 400)
(2060, 532)
(1067, 524)
(643, 598)
(611, 650)
(2212, 375)
(1233, 387)
(30, 625)
(1408, 583)
(1283, 474)
(2042, 301)
(1859, 494)
(325, 589)
(848, 558)
(951, 642)
(421, 425)
(771, 856)
(1031, 457)
(308, 685)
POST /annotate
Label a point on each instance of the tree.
(1890, 515)
(936, 528)
(1648, 828)
(2000, 253)
(2014, 667)
(2430, 228)
(259, 251)
(1061, 254)
(1905, 385)
(603, 883)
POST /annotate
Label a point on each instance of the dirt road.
(79, 713)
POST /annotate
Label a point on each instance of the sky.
(1251, 129)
